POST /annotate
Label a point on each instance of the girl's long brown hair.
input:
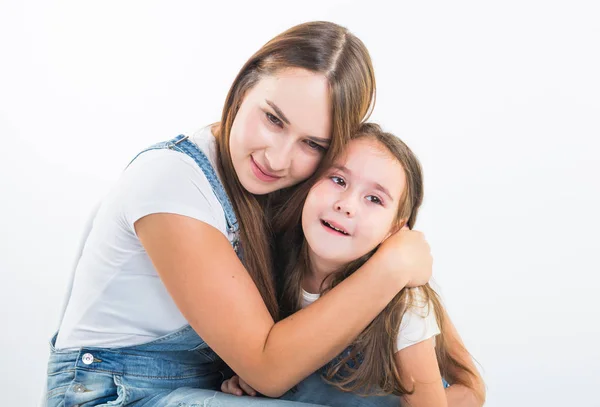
(320, 47)
(369, 367)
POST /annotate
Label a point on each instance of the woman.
(161, 302)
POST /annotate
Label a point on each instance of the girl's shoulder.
(419, 321)
(418, 302)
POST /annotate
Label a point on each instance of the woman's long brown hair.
(370, 368)
(320, 47)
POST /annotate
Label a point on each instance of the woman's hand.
(407, 253)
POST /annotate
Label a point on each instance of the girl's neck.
(318, 271)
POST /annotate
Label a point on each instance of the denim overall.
(178, 369)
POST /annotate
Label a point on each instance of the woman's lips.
(260, 173)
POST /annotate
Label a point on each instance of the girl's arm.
(460, 395)
(220, 301)
(420, 369)
(420, 372)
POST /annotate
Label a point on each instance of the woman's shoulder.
(166, 181)
(164, 164)
(161, 163)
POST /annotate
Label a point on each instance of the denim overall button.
(79, 388)
(87, 359)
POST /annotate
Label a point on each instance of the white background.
(500, 101)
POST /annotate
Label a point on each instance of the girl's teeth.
(334, 228)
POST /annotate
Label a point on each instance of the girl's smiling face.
(355, 206)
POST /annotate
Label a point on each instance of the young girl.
(372, 191)
(160, 300)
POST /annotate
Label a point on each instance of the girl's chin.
(329, 260)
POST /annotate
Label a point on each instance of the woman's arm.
(218, 298)
(420, 372)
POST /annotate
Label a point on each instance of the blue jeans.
(178, 369)
(314, 389)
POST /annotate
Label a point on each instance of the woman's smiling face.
(281, 130)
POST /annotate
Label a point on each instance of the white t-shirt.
(117, 297)
(418, 323)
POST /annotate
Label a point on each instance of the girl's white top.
(418, 323)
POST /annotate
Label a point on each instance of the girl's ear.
(401, 224)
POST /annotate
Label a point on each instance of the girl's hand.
(459, 395)
(237, 386)
(408, 253)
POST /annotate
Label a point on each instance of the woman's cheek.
(260, 134)
(304, 166)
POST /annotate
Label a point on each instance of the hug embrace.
(267, 259)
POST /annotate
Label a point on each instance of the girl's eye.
(314, 146)
(374, 199)
(338, 180)
(273, 119)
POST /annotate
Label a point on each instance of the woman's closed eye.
(314, 146)
(274, 119)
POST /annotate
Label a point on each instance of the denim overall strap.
(182, 144)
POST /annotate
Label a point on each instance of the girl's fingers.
(247, 389)
(231, 386)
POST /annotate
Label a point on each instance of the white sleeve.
(166, 181)
(418, 323)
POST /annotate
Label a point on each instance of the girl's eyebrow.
(377, 185)
(341, 168)
(384, 190)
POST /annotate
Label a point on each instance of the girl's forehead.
(363, 150)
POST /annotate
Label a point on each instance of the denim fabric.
(314, 389)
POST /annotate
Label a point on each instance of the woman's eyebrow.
(278, 111)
